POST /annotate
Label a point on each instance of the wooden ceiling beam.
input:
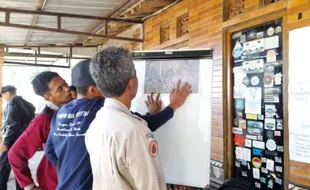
(138, 11)
(48, 13)
(43, 56)
(49, 46)
(35, 64)
(156, 3)
(68, 32)
(100, 25)
(59, 29)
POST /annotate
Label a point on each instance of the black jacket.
(16, 117)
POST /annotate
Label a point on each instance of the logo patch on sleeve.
(153, 148)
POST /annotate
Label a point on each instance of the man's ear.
(94, 91)
(131, 83)
(46, 97)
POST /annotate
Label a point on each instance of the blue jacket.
(65, 146)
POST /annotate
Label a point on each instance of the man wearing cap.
(65, 146)
(56, 92)
(17, 115)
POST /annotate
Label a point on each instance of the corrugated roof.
(103, 8)
(82, 7)
(90, 7)
(12, 36)
(136, 9)
(23, 4)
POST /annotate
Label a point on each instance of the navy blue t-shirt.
(65, 147)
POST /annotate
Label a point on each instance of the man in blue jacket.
(65, 147)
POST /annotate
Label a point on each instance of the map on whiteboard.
(161, 76)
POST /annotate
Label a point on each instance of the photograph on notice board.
(253, 98)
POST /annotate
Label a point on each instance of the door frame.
(228, 89)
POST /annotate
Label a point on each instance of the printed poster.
(299, 122)
(253, 100)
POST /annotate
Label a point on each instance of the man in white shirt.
(122, 149)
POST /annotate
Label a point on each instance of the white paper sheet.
(243, 154)
(272, 42)
(246, 154)
(256, 173)
(270, 165)
(253, 98)
(248, 143)
(299, 95)
(259, 144)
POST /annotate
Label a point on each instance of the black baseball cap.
(7, 88)
(80, 75)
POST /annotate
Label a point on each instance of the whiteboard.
(299, 95)
(184, 141)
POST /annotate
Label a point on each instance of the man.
(73, 92)
(17, 115)
(66, 143)
(122, 149)
(56, 92)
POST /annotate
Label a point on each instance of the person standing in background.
(16, 117)
(56, 92)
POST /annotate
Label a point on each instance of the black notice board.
(258, 105)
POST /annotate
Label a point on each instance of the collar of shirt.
(115, 104)
(52, 106)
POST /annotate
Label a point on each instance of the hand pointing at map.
(179, 95)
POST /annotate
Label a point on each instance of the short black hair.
(41, 81)
(72, 88)
(82, 90)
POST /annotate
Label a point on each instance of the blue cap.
(7, 88)
(80, 76)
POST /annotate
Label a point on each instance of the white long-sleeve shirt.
(123, 151)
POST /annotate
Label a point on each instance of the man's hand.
(3, 148)
(152, 105)
(178, 96)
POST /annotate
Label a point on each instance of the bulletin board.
(255, 121)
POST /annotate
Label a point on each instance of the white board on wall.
(184, 141)
(299, 95)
